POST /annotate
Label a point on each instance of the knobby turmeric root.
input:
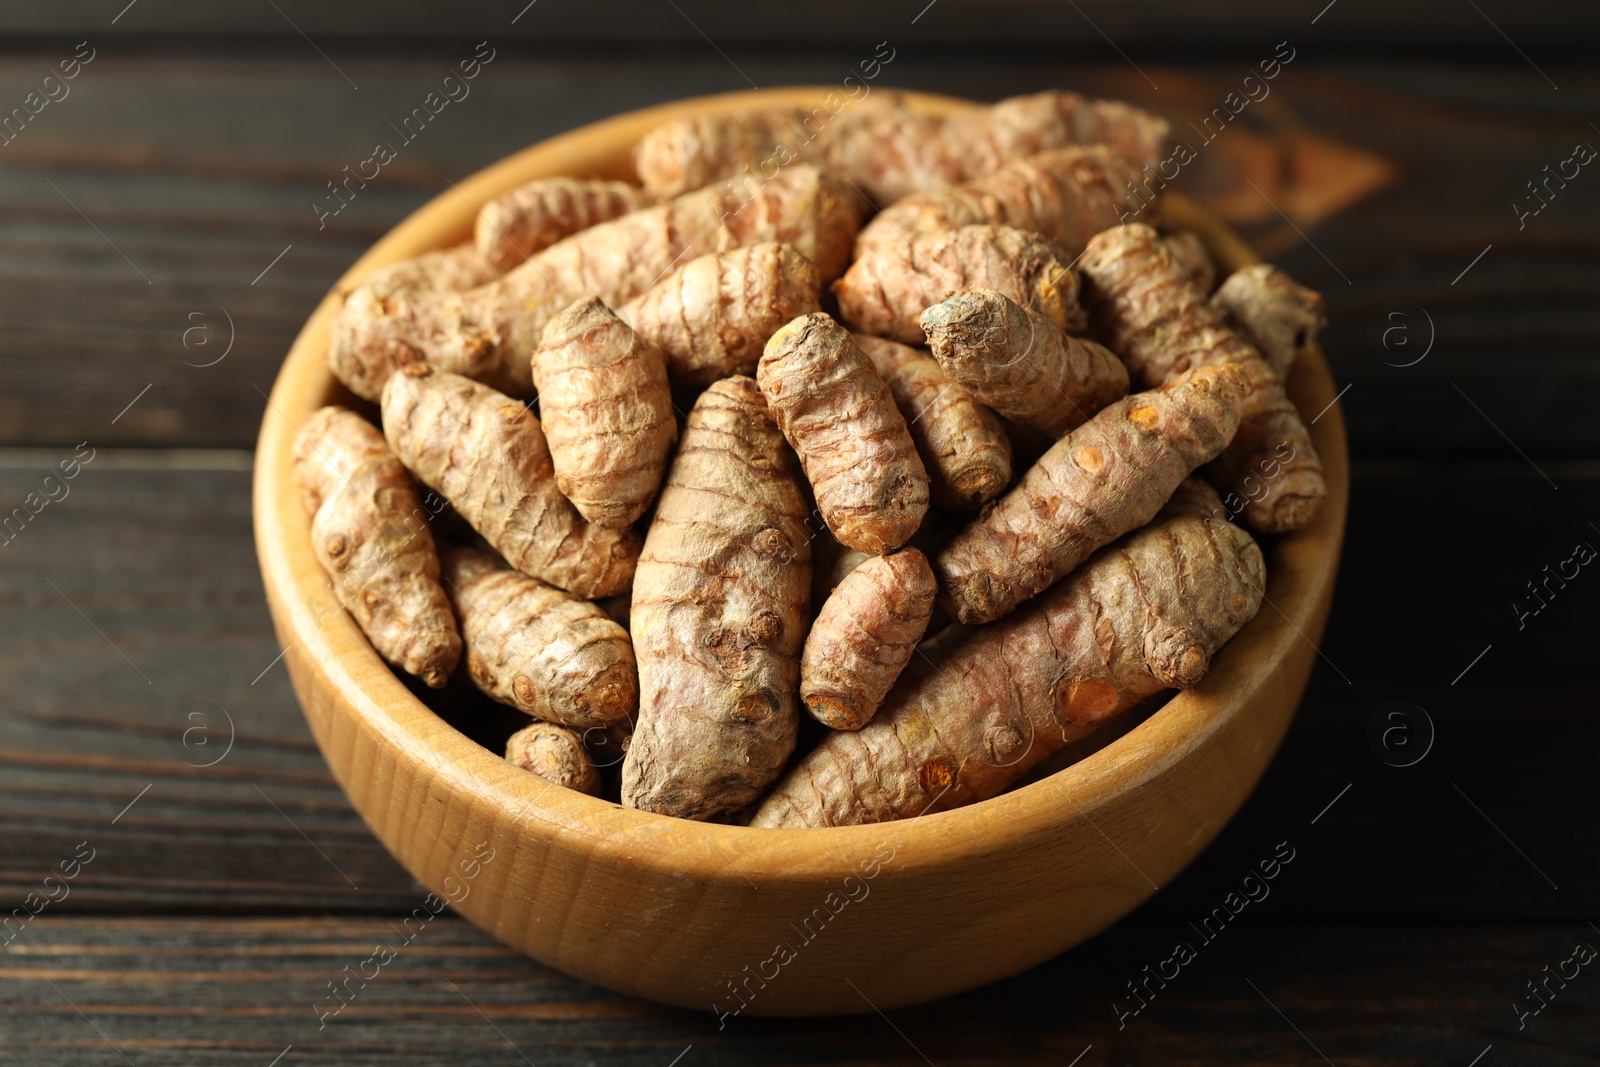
(1142, 615)
(718, 616)
(963, 445)
(712, 315)
(486, 454)
(864, 636)
(370, 533)
(1161, 323)
(555, 754)
(534, 216)
(887, 149)
(839, 417)
(538, 649)
(486, 333)
(1109, 476)
(1273, 312)
(1066, 195)
(607, 412)
(1020, 363)
(885, 291)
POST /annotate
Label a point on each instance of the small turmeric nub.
(839, 417)
(554, 753)
(864, 636)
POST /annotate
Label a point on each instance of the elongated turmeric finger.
(1109, 476)
(885, 148)
(1067, 195)
(864, 636)
(963, 445)
(534, 216)
(554, 753)
(1161, 323)
(370, 533)
(486, 454)
(885, 291)
(719, 608)
(1146, 613)
(607, 412)
(539, 649)
(839, 417)
(487, 333)
(1020, 363)
(712, 315)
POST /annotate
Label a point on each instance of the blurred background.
(167, 227)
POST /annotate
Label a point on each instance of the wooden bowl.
(694, 914)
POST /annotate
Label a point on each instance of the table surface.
(160, 247)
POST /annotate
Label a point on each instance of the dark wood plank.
(136, 643)
(1145, 24)
(159, 563)
(243, 991)
(203, 170)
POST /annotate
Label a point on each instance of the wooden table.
(160, 247)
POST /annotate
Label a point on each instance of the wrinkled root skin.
(1067, 195)
(1154, 315)
(718, 614)
(1273, 312)
(887, 149)
(841, 420)
(540, 650)
(864, 637)
(534, 216)
(486, 454)
(370, 533)
(713, 315)
(1109, 476)
(963, 444)
(1021, 364)
(487, 333)
(1142, 614)
(607, 412)
(885, 292)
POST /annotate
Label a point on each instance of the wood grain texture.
(1146, 24)
(241, 991)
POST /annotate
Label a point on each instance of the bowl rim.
(1302, 567)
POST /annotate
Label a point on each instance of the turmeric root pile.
(664, 469)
